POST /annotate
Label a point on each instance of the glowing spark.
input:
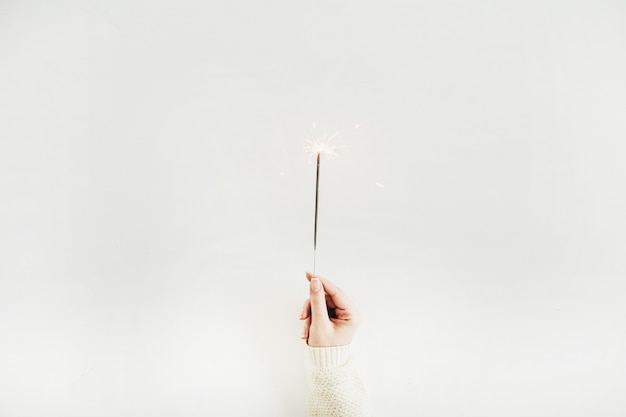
(380, 185)
(282, 173)
(357, 126)
(322, 145)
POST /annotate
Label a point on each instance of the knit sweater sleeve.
(335, 388)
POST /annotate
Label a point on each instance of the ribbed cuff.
(328, 357)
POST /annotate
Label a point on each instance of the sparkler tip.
(323, 145)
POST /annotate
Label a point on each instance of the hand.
(330, 318)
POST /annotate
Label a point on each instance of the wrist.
(329, 356)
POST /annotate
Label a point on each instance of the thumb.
(319, 311)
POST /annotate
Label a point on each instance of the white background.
(156, 204)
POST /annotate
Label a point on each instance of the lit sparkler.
(316, 147)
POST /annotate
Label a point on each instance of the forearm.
(335, 387)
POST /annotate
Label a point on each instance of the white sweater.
(335, 388)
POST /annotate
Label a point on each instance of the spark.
(380, 185)
(356, 126)
(322, 145)
(282, 173)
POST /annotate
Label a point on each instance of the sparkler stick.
(317, 147)
(317, 190)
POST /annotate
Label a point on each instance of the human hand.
(330, 318)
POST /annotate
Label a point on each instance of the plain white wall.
(156, 204)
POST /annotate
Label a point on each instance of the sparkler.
(316, 147)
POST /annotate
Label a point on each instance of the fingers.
(306, 309)
(338, 297)
(319, 311)
(305, 315)
(305, 329)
